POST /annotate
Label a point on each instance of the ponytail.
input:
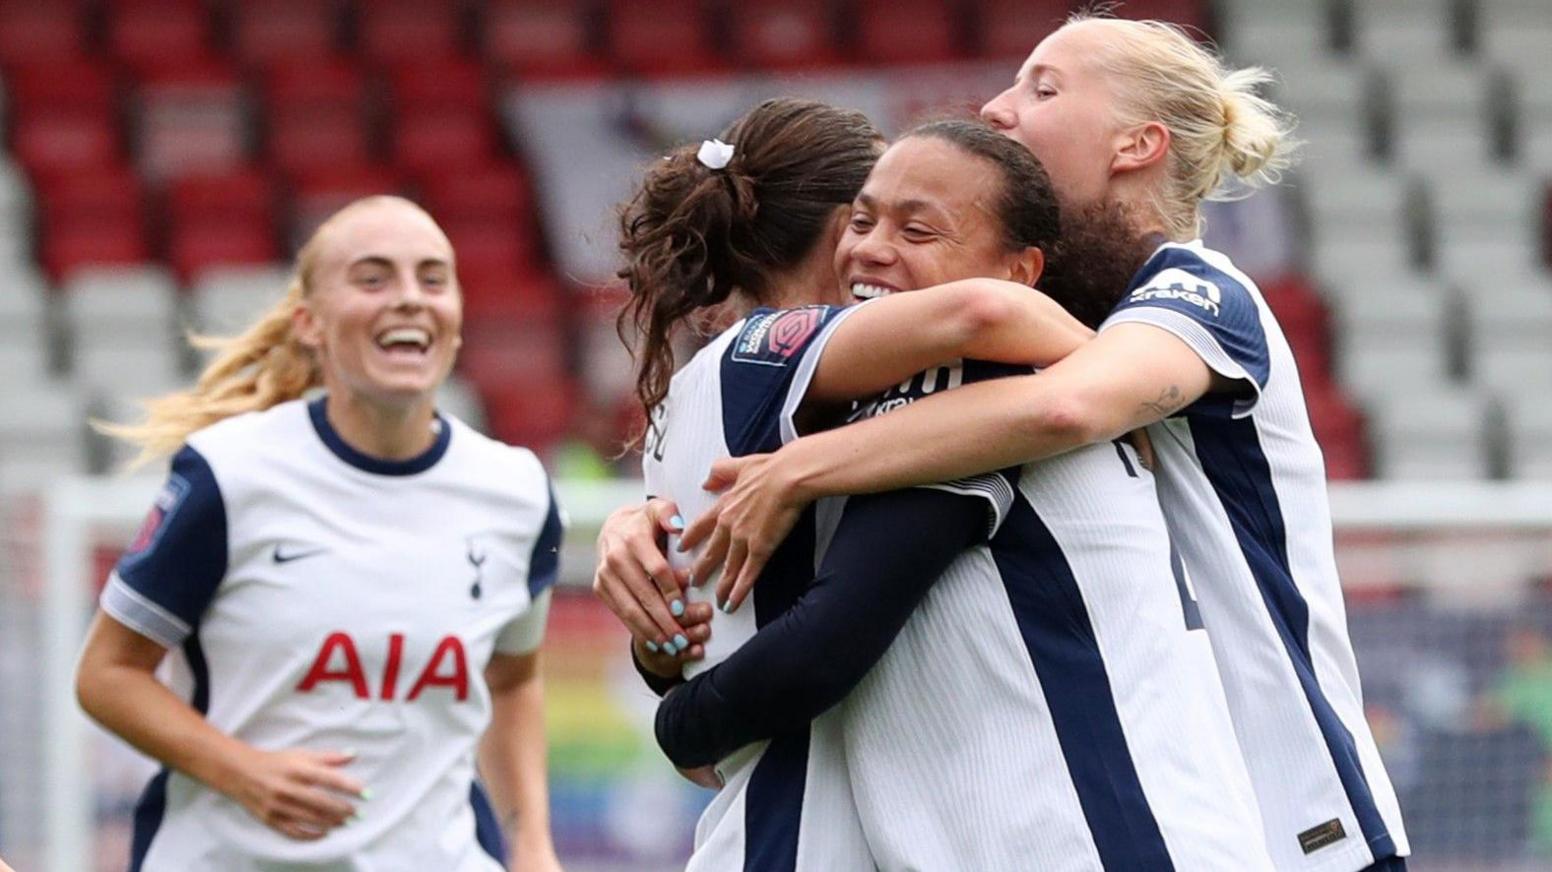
(1256, 148)
(680, 234)
(261, 367)
(692, 234)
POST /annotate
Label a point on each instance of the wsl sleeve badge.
(166, 504)
(774, 338)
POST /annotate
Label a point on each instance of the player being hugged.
(354, 589)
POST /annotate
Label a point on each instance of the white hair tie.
(715, 154)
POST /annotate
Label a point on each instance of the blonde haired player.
(1137, 125)
(355, 587)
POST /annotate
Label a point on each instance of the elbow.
(88, 685)
(979, 311)
(1066, 422)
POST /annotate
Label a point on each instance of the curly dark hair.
(691, 235)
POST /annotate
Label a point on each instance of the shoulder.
(489, 462)
(277, 426)
(1195, 280)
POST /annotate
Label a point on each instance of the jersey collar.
(376, 465)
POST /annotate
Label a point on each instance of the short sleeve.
(544, 562)
(1209, 310)
(766, 371)
(524, 633)
(168, 576)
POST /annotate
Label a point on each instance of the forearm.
(513, 761)
(893, 338)
(132, 704)
(971, 429)
(809, 658)
(1131, 376)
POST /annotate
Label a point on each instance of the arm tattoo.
(1167, 404)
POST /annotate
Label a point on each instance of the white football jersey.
(318, 598)
(1243, 487)
(1053, 703)
(786, 803)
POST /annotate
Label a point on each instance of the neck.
(1139, 196)
(387, 431)
(810, 282)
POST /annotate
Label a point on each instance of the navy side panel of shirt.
(180, 557)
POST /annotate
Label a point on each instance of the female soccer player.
(1138, 124)
(356, 587)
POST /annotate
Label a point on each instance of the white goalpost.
(1445, 550)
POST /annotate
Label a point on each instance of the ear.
(306, 327)
(1141, 147)
(1027, 266)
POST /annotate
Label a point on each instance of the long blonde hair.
(263, 366)
(1225, 139)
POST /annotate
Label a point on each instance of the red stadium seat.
(289, 31)
(331, 84)
(78, 85)
(783, 33)
(191, 121)
(536, 37)
(395, 31)
(110, 194)
(1012, 28)
(195, 246)
(62, 139)
(303, 140)
(493, 192)
(240, 195)
(1340, 430)
(158, 33)
(1304, 319)
(491, 251)
(504, 297)
(40, 30)
(442, 138)
(530, 413)
(668, 36)
(908, 31)
(421, 86)
(72, 245)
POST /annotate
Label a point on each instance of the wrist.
(797, 473)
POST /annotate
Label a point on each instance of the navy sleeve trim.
(167, 577)
(763, 366)
(1211, 310)
(544, 563)
(810, 657)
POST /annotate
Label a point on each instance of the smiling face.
(384, 312)
(927, 215)
(1061, 107)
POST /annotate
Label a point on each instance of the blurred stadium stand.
(163, 158)
(1407, 258)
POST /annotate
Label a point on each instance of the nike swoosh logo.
(281, 556)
